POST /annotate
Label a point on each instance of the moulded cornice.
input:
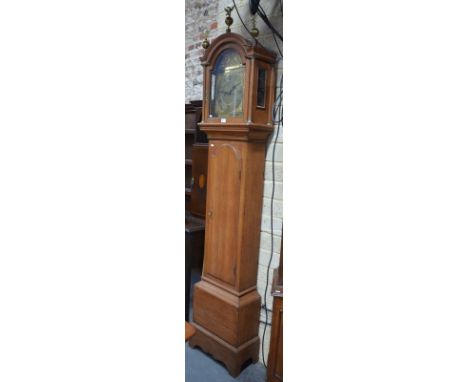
(250, 49)
(237, 131)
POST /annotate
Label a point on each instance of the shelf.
(196, 103)
(188, 162)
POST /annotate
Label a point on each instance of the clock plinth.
(227, 325)
(237, 118)
(233, 358)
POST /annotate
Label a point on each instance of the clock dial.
(227, 85)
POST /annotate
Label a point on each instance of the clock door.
(223, 210)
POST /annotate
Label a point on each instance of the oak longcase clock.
(239, 87)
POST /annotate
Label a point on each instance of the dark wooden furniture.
(196, 161)
(275, 355)
(197, 205)
(194, 243)
(237, 120)
(189, 331)
(193, 135)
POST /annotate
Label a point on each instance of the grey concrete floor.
(200, 367)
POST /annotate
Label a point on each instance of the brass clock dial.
(227, 85)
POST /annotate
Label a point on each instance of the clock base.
(232, 357)
(227, 324)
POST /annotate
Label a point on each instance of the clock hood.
(245, 47)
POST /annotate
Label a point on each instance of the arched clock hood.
(256, 121)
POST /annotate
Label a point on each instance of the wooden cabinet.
(196, 175)
(226, 306)
(193, 136)
(199, 179)
(195, 216)
(275, 355)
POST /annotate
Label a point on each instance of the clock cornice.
(250, 50)
(237, 131)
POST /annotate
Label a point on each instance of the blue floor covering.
(200, 367)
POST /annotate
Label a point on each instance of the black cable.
(245, 26)
(271, 228)
(253, 5)
(277, 108)
(240, 18)
(264, 17)
(276, 42)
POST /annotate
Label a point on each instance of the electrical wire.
(277, 109)
(245, 26)
(265, 323)
(253, 5)
(264, 17)
(277, 46)
(240, 18)
(277, 112)
(267, 22)
(275, 33)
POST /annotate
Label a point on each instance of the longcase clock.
(239, 87)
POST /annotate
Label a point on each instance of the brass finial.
(229, 19)
(254, 31)
(206, 43)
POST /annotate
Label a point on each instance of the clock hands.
(232, 89)
(229, 95)
(229, 92)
